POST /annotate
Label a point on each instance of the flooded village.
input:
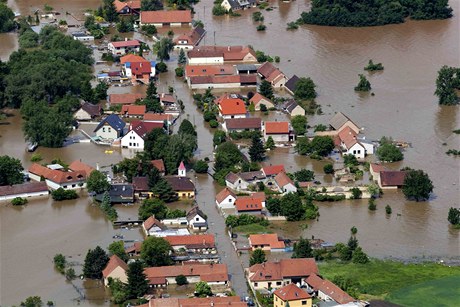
(216, 224)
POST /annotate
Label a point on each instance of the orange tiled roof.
(133, 109)
(291, 293)
(276, 127)
(132, 58)
(125, 98)
(348, 137)
(159, 164)
(113, 263)
(284, 268)
(205, 240)
(57, 176)
(222, 195)
(282, 179)
(328, 288)
(79, 166)
(232, 106)
(208, 70)
(211, 272)
(172, 16)
(230, 301)
(257, 98)
(266, 239)
(273, 169)
(248, 203)
(157, 117)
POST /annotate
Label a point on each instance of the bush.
(389, 153)
(61, 194)
(328, 168)
(150, 30)
(181, 280)
(355, 193)
(292, 25)
(261, 27)
(388, 209)
(209, 115)
(372, 206)
(373, 67)
(70, 274)
(179, 71)
(36, 157)
(161, 67)
(19, 201)
(213, 123)
(218, 10)
(354, 230)
(59, 262)
(201, 167)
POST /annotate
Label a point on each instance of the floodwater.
(403, 107)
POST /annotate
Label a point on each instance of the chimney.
(124, 188)
(126, 39)
(228, 48)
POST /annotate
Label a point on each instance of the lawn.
(440, 292)
(379, 278)
(251, 229)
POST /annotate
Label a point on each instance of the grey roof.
(291, 83)
(114, 121)
(119, 193)
(92, 109)
(235, 4)
(243, 67)
(290, 105)
(249, 176)
(180, 183)
(231, 177)
(338, 120)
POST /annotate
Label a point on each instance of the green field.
(390, 280)
(440, 292)
(251, 229)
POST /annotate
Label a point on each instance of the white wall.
(132, 140)
(227, 203)
(107, 132)
(210, 60)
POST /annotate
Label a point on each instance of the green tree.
(110, 11)
(155, 251)
(118, 248)
(151, 207)
(345, 254)
(137, 281)
(152, 90)
(164, 191)
(257, 256)
(350, 160)
(304, 175)
(373, 67)
(299, 124)
(202, 289)
(292, 207)
(266, 89)
(354, 230)
(274, 206)
(32, 301)
(6, 18)
(352, 243)
(302, 249)
(454, 216)
(389, 153)
(95, 261)
(388, 209)
(227, 156)
(201, 167)
(151, 5)
(62, 194)
(371, 204)
(28, 39)
(59, 262)
(10, 171)
(100, 92)
(359, 256)
(373, 190)
(417, 185)
(219, 137)
(305, 89)
(356, 193)
(162, 48)
(19, 201)
(182, 59)
(187, 127)
(328, 168)
(364, 85)
(447, 81)
(70, 275)
(322, 145)
(181, 280)
(270, 143)
(257, 150)
(97, 182)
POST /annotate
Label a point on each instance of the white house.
(23, 190)
(138, 130)
(279, 131)
(236, 5)
(196, 219)
(82, 37)
(110, 127)
(351, 145)
(284, 183)
(242, 181)
(152, 226)
(58, 178)
(225, 199)
(231, 106)
(124, 47)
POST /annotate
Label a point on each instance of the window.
(110, 129)
(304, 302)
(65, 187)
(103, 129)
(197, 219)
(73, 185)
(255, 284)
(359, 151)
(278, 283)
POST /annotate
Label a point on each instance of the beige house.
(341, 121)
(115, 269)
(292, 295)
(257, 100)
(293, 109)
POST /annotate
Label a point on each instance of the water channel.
(403, 107)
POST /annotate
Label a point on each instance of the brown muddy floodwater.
(403, 107)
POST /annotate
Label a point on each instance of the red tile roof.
(230, 301)
(31, 187)
(377, 168)
(348, 137)
(113, 263)
(329, 289)
(130, 43)
(160, 117)
(133, 4)
(266, 69)
(275, 76)
(229, 53)
(207, 272)
(141, 184)
(193, 37)
(173, 16)
(151, 221)
(270, 170)
(244, 123)
(78, 166)
(257, 98)
(282, 179)
(196, 241)
(140, 68)
(208, 70)
(270, 240)
(136, 110)
(159, 164)
(143, 128)
(125, 98)
(57, 176)
(285, 268)
(232, 106)
(291, 293)
(134, 249)
(276, 127)
(248, 203)
(392, 178)
(222, 195)
(132, 58)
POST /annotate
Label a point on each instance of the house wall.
(184, 195)
(357, 150)
(24, 195)
(107, 132)
(82, 115)
(240, 184)
(217, 85)
(233, 116)
(368, 147)
(209, 60)
(279, 83)
(288, 188)
(351, 125)
(197, 219)
(181, 221)
(227, 203)
(273, 284)
(278, 138)
(34, 177)
(226, 5)
(298, 111)
(278, 302)
(132, 140)
(118, 273)
(75, 185)
(267, 103)
(127, 71)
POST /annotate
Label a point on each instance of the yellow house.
(183, 186)
(291, 296)
(115, 269)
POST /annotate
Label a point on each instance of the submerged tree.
(447, 81)
(417, 185)
(364, 85)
